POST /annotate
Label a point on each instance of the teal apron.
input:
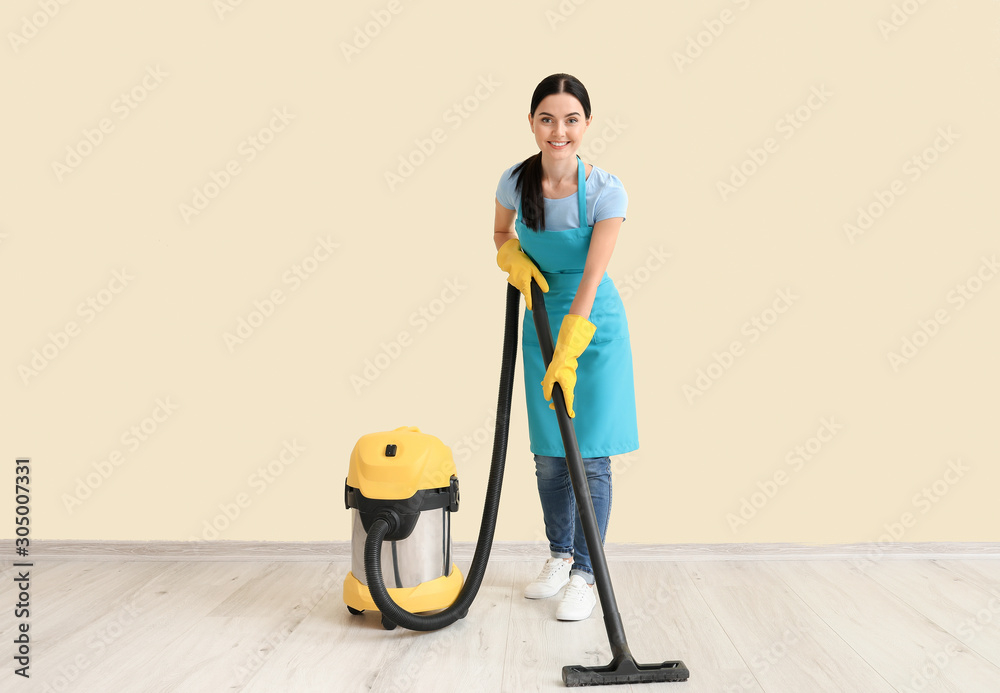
(604, 396)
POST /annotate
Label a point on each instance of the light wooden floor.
(777, 626)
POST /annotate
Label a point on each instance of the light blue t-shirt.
(606, 198)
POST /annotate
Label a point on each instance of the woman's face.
(559, 119)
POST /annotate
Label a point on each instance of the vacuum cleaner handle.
(623, 668)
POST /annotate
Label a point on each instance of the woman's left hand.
(574, 337)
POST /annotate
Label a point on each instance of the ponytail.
(529, 185)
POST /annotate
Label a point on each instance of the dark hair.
(529, 180)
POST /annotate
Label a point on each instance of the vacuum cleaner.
(403, 486)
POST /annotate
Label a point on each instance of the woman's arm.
(602, 244)
(503, 225)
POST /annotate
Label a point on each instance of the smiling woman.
(569, 217)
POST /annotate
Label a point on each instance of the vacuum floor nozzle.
(624, 671)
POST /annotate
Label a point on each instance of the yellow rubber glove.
(574, 336)
(520, 269)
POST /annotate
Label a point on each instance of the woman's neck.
(559, 174)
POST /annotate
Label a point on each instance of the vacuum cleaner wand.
(623, 668)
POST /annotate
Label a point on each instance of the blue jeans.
(562, 519)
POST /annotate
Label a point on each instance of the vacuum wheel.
(355, 611)
(387, 624)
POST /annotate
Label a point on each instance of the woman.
(567, 221)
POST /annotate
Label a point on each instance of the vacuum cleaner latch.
(453, 492)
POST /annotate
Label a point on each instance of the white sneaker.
(578, 601)
(554, 575)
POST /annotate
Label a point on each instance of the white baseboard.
(501, 551)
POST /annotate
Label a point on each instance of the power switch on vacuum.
(390, 450)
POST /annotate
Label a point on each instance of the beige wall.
(841, 104)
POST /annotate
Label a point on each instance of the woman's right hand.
(520, 269)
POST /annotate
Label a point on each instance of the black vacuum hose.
(378, 529)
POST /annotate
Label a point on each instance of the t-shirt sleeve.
(612, 202)
(506, 190)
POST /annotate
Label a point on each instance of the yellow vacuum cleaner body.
(410, 476)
